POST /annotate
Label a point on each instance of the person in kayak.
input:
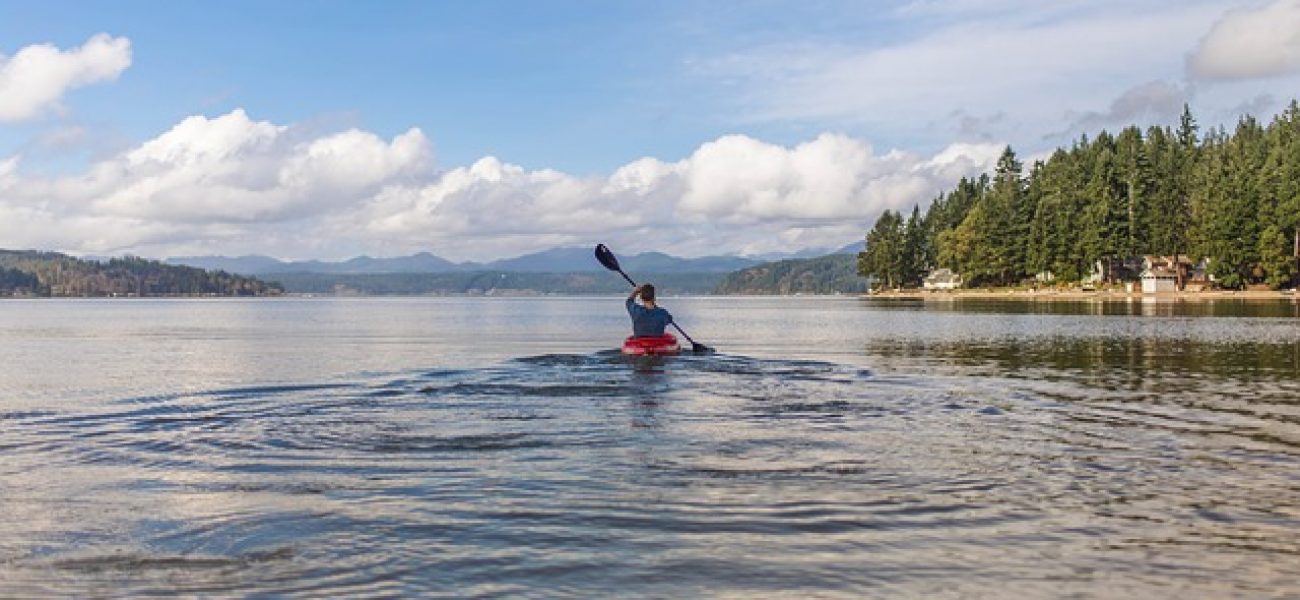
(648, 320)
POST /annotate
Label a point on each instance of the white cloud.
(34, 79)
(976, 67)
(231, 184)
(231, 169)
(1020, 9)
(1250, 43)
(735, 193)
(8, 172)
(1042, 65)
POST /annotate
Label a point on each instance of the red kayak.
(652, 345)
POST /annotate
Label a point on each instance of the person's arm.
(631, 301)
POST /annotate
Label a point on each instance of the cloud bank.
(1250, 43)
(35, 79)
(984, 63)
(234, 184)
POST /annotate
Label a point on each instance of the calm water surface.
(836, 447)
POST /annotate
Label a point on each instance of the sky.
(480, 130)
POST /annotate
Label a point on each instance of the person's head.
(648, 293)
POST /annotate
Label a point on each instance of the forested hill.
(835, 273)
(1232, 197)
(29, 273)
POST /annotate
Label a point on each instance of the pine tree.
(913, 260)
(883, 257)
(1135, 172)
(1233, 199)
(1281, 182)
(1186, 157)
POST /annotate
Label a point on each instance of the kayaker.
(648, 320)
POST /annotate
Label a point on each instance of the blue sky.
(483, 129)
(579, 86)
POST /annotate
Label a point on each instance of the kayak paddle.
(607, 258)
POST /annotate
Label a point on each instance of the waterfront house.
(941, 279)
(1159, 280)
(1161, 273)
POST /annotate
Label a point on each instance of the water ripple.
(573, 475)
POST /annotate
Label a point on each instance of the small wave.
(526, 390)
(134, 562)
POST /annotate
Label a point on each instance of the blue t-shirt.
(647, 321)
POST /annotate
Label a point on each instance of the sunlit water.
(835, 447)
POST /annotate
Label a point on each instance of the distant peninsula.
(31, 273)
(830, 274)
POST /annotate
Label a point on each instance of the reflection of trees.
(1149, 307)
(1171, 364)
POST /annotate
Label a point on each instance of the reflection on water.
(459, 448)
(1102, 305)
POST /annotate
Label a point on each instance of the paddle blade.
(606, 258)
(699, 348)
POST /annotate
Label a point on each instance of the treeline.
(1230, 197)
(29, 273)
(835, 273)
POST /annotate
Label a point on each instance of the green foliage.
(1278, 266)
(824, 275)
(53, 274)
(990, 245)
(1231, 198)
(883, 259)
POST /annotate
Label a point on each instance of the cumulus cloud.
(1251, 43)
(736, 193)
(232, 184)
(232, 169)
(35, 79)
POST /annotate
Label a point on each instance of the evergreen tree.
(1186, 157)
(1280, 184)
(883, 257)
(1233, 199)
(997, 227)
(1136, 174)
(914, 263)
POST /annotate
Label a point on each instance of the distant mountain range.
(556, 260)
(555, 271)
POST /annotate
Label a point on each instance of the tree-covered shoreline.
(50, 274)
(830, 274)
(1230, 198)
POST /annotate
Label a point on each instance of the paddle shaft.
(674, 323)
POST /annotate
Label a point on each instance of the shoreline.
(1078, 295)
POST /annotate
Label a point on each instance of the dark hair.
(648, 292)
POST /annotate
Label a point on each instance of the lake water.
(834, 447)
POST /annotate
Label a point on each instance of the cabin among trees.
(1226, 203)
(941, 279)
